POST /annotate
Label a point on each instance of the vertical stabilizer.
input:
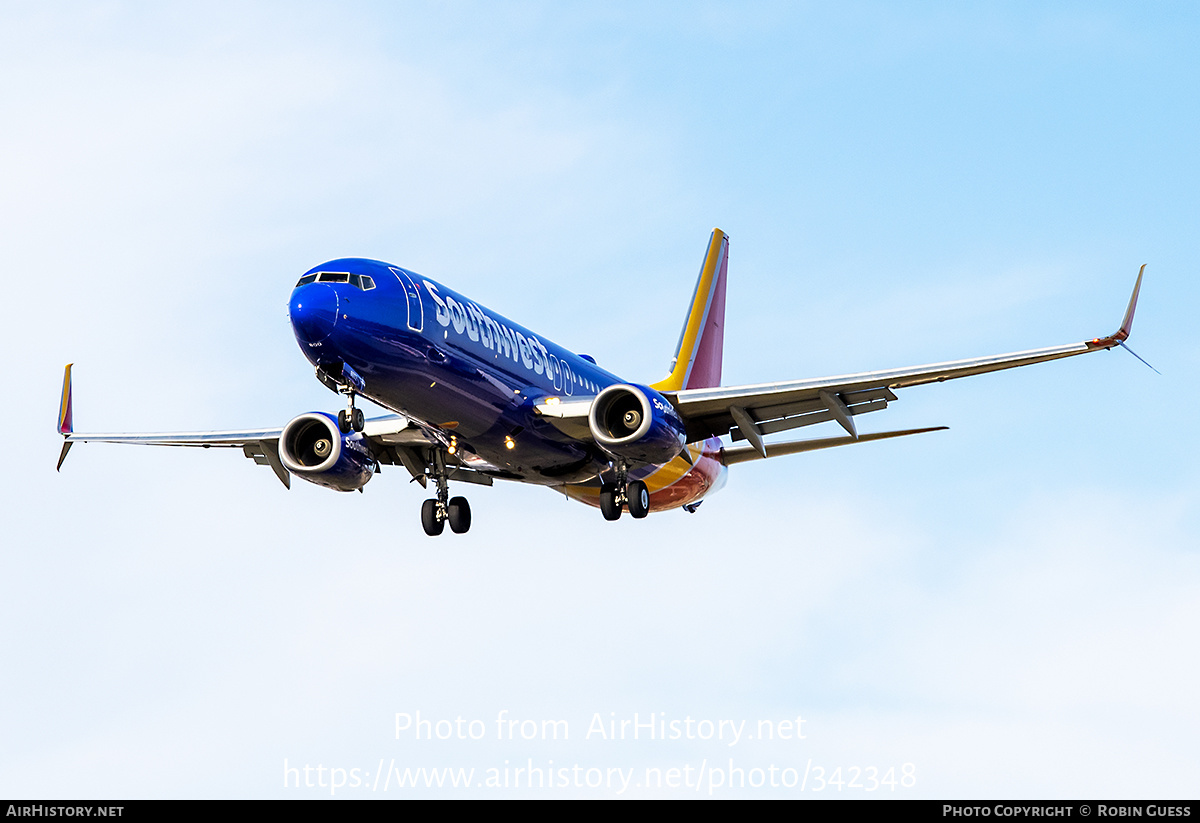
(697, 363)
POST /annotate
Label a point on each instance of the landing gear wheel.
(638, 499)
(358, 421)
(459, 515)
(343, 422)
(432, 524)
(610, 506)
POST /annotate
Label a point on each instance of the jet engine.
(312, 447)
(636, 423)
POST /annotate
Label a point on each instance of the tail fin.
(697, 363)
(66, 423)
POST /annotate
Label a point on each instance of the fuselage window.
(367, 283)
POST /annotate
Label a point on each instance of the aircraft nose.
(314, 311)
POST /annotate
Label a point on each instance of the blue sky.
(1009, 605)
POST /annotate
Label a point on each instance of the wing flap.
(851, 399)
(266, 453)
(810, 419)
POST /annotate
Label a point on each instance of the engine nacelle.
(312, 447)
(636, 423)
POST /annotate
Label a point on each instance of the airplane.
(476, 398)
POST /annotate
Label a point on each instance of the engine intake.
(636, 423)
(312, 447)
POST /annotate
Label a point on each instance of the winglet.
(1122, 334)
(1127, 323)
(63, 454)
(66, 423)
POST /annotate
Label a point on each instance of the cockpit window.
(360, 281)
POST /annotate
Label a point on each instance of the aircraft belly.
(672, 485)
(483, 414)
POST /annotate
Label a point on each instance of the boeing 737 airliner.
(478, 398)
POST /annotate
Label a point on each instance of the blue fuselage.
(441, 359)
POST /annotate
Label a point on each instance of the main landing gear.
(631, 494)
(443, 509)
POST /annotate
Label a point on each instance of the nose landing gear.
(351, 417)
(348, 383)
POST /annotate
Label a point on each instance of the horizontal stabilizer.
(741, 454)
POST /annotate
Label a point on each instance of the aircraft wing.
(393, 437)
(750, 412)
(388, 435)
(262, 445)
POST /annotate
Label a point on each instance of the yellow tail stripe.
(670, 474)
